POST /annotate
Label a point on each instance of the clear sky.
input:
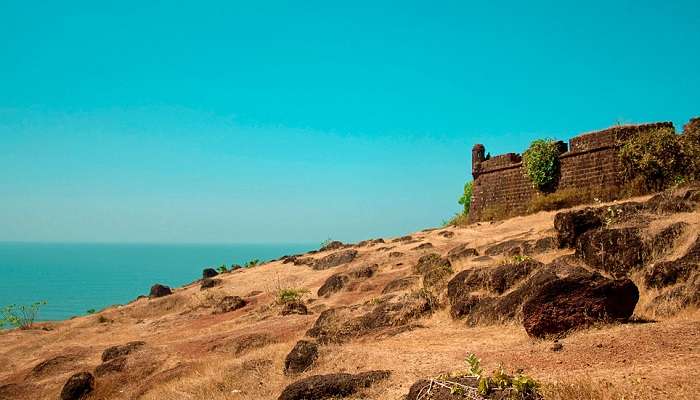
(230, 121)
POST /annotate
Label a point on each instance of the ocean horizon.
(76, 277)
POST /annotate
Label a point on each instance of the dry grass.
(601, 363)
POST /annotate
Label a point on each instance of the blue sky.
(297, 121)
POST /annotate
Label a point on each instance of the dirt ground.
(191, 353)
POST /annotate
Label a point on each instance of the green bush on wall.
(656, 155)
(541, 163)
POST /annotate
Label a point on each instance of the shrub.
(20, 316)
(459, 219)
(690, 142)
(656, 155)
(290, 295)
(222, 269)
(466, 199)
(91, 311)
(251, 263)
(541, 163)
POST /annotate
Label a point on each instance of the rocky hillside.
(597, 302)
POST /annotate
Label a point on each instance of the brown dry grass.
(191, 354)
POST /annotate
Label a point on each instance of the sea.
(75, 278)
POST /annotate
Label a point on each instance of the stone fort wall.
(589, 162)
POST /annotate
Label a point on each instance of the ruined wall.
(590, 162)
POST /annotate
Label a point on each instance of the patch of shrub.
(656, 155)
(495, 213)
(20, 316)
(222, 269)
(252, 263)
(459, 219)
(290, 295)
(541, 163)
(466, 199)
(516, 386)
(690, 142)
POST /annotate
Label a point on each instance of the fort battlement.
(588, 162)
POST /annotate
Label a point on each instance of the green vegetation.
(690, 142)
(326, 242)
(91, 311)
(541, 163)
(656, 155)
(291, 295)
(516, 386)
(466, 199)
(222, 269)
(20, 316)
(517, 259)
(252, 263)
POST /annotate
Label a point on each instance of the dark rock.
(209, 283)
(503, 277)
(303, 261)
(434, 269)
(294, 307)
(121, 350)
(370, 242)
(335, 259)
(423, 246)
(616, 251)
(78, 386)
(333, 284)
(562, 305)
(572, 224)
(567, 265)
(545, 244)
(399, 284)
(504, 247)
(235, 267)
(667, 203)
(447, 234)
(664, 241)
(419, 390)
(209, 273)
(557, 346)
(338, 325)
(321, 387)
(668, 273)
(114, 365)
(364, 272)
(301, 357)
(407, 238)
(53, 365)
(482, 259)
(395, 254)
(334, 245)
(228, 304)
(159, 290)
(461, 251)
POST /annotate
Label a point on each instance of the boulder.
(333, 284)
(334, 245)
(395, 254)
(510, 247)
(209, 283)
(159, 290)
(334, 259)
(294, 307)
(78, 386)
(209, 273)
(331, 386)
(406, 238)
(572, 224)
(364, 272)
(399, 284)
(114, 365)
(461, 251)
(423, 246)
(668, 273)
(564, 304)
(301, 357)
(615, 251)
(228, 304)
(420, 390)
(121, 350)
(434, 269)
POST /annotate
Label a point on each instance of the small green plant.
(541, 163)
(517, 259)
(222, 269)
(291, 295)
(20, 316)
(326, 242)
(516, 386)
(91, 311)
(466, 199)
(252, 263)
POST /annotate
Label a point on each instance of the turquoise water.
(74, 278)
